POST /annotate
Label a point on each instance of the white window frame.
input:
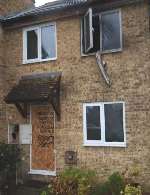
(105, 51)
(89, 13)
(38, 28)
(102, 142)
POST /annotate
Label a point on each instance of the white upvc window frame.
(102, 142)
(39, 29)
(104, 51)
(89, 14)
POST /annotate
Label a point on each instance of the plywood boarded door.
(43, 157)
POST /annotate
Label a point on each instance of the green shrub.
(81, 179)
(72, 181)
(75, 181)
(101, 189)
(130, 190)
(116, 183)
(10, 158)
(113, 186)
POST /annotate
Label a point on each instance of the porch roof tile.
(34, 88)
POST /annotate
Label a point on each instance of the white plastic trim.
(42, 172)
(39, 59)
(102, 142)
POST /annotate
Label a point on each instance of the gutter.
(75, 10)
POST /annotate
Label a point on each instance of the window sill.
(106, 144)
(42, 172)
(104, 52)
(38, 61)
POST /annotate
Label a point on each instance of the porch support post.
(55, 100)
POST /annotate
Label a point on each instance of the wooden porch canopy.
(36, 89)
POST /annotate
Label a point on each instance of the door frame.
(36, 171)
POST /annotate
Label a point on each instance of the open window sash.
(88, 30)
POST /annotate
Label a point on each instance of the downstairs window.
(104, 124)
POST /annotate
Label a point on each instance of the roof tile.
(48, 7)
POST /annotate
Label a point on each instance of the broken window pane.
(114, 122)
(32, 44)
(48, 41)
(110, 31)
(93, 123)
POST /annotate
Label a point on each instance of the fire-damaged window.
(104, 124)
(39, 43)
(101, 32)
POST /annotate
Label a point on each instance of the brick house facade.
(81, 83)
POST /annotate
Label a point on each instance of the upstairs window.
(39, 43)
(104, 124)
(101, 32)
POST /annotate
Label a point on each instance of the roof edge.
(46, 10)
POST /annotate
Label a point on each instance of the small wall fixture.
(71, 158)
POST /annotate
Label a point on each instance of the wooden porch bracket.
(22, 109)
(55, 100)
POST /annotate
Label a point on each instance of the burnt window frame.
(39, 43)
(102, 51)
(103, 141)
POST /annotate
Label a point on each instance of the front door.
(42, 149)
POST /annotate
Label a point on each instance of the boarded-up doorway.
(42, 148)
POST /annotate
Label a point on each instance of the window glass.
(48, 42)
(93, 123)
(110, 31)
(96, 34)
(87, 32)
(32, 44)
(114, 122)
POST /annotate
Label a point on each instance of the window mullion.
(39, 44)
(102, 122)
(25, 46)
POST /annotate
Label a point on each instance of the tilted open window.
(103, 33)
